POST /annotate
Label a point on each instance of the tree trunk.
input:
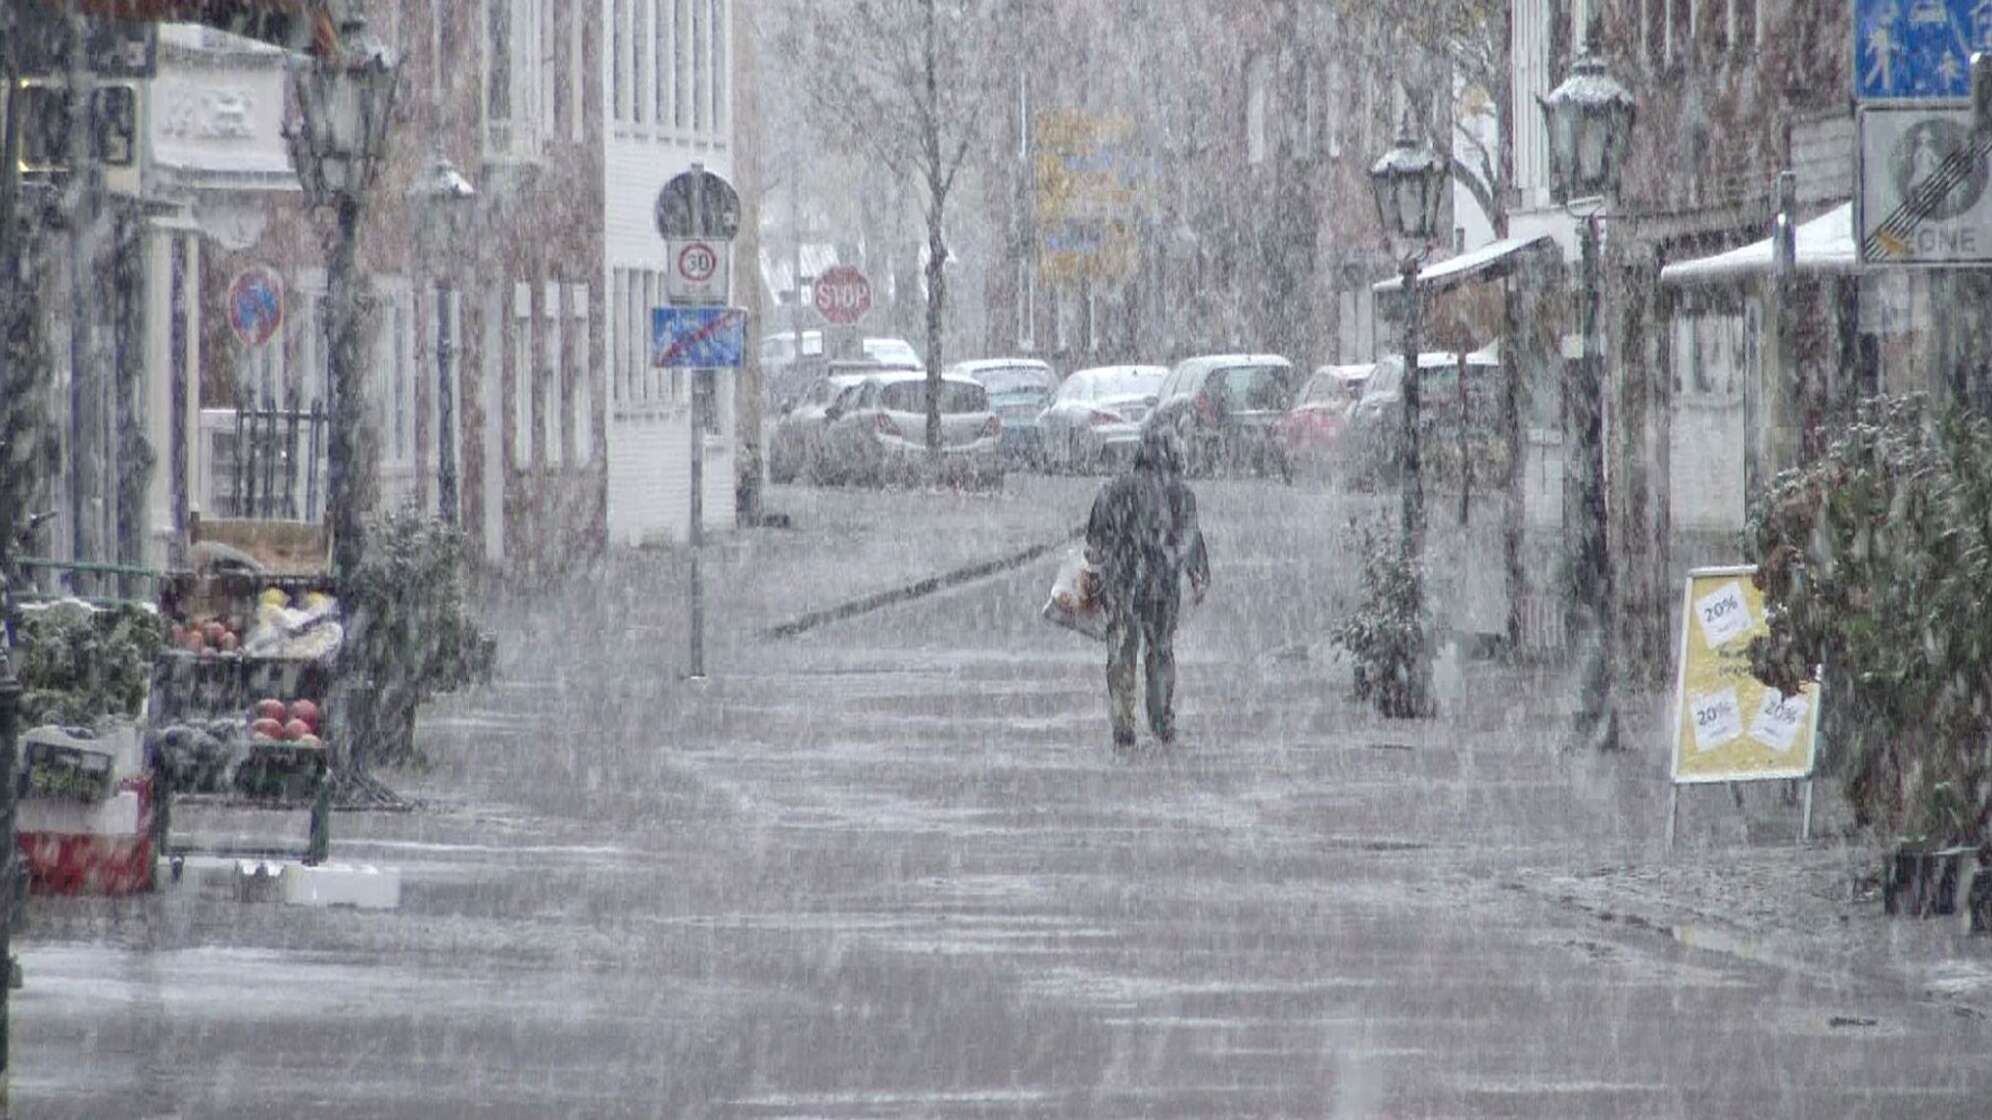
(937, 194)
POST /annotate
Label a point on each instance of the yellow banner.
(1088, 186)
(1729, 726)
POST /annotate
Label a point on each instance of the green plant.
(1876, 562)
(80, 665)
(1386, 634)
(415, 637)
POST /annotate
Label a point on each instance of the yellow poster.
(1729, 726)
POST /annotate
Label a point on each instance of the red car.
(1311, 432)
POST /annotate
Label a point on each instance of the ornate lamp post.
(338, 141)
(1590, 121)
(441, 198)
(1410, 183)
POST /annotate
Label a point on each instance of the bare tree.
(905, 83)
(1421, 46)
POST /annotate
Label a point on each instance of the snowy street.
(889, 868)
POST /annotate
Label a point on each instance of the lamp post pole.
(1597, 715)
(1590, 119)
(1411, 483)
(446, 476)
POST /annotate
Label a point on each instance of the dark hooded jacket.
(1143, 533)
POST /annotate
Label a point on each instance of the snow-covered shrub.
(1876, 561)
(1386, 634)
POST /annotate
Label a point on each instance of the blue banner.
(697, 337)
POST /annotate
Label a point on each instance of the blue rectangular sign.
(697, 337)
(1918, 50)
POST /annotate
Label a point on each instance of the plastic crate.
(57, 764)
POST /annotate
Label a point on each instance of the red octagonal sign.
(843, 295)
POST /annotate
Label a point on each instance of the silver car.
(878, 434)
(795, 446)
(1095, 421)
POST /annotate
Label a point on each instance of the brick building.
(532, 303)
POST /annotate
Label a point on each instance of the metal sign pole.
(695, 534)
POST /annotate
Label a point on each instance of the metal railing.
(266, 472)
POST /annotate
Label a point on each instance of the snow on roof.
(1825, 244)
(1455, 269)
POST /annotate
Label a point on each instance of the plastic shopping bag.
(1075, 601)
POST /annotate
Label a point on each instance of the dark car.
(1226, 406)
(1448, 421)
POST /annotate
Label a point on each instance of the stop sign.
(843, 295)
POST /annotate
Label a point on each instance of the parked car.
(877, 433)
(1225, 406)
(1019, 390)
(795, 446)
(1094, 422)
(1310, 434)
(1376, 427)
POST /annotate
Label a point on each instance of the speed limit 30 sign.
(698, 271)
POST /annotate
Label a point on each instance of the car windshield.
(1253, 388)
(892, 352)
(956, 397)
(1094, 385)
(1004, 381)
(1325, 388)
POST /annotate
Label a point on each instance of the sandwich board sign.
(1729, 726)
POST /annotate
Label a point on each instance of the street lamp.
(441, 198)
(1590, 122)
(1410, 183)
(345, 94)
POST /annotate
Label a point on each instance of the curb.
(918, 590)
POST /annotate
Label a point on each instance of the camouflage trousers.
(1141, 645)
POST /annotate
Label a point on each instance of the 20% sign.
(843, 295)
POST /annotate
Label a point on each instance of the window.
(619, 62)
(442, 46)
(1092, 319)
(1023, 116)
(583, 397)
(517, 86)
(1303, 122)
(956, 397)
(1680, 31)
(577, 79)
(643, 61)
(1743, 25)
(701, 89)
(661, 37)
(720, 94)
(552, 375)
(1255, 109)
(522, 375)
(681, 65)
(547, 67)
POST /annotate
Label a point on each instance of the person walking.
(1142, 540)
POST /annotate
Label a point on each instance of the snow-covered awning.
(1489, 262)
(1825, 244)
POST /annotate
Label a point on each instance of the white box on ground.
(342, 884)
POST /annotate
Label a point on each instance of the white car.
(1094, 423)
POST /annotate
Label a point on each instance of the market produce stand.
(235, 716)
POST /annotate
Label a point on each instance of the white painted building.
(669, 85)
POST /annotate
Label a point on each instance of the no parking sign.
(256, 305)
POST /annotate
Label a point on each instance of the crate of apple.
(205, 639)
(294, 724)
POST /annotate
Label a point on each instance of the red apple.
(306, 711)
(310, 741)
(192, 641)
(271, 709)
(213, 632)
(296, 729)
(267, 729)
(229, 641)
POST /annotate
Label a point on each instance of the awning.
(1824, 244)
(1489, 262)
